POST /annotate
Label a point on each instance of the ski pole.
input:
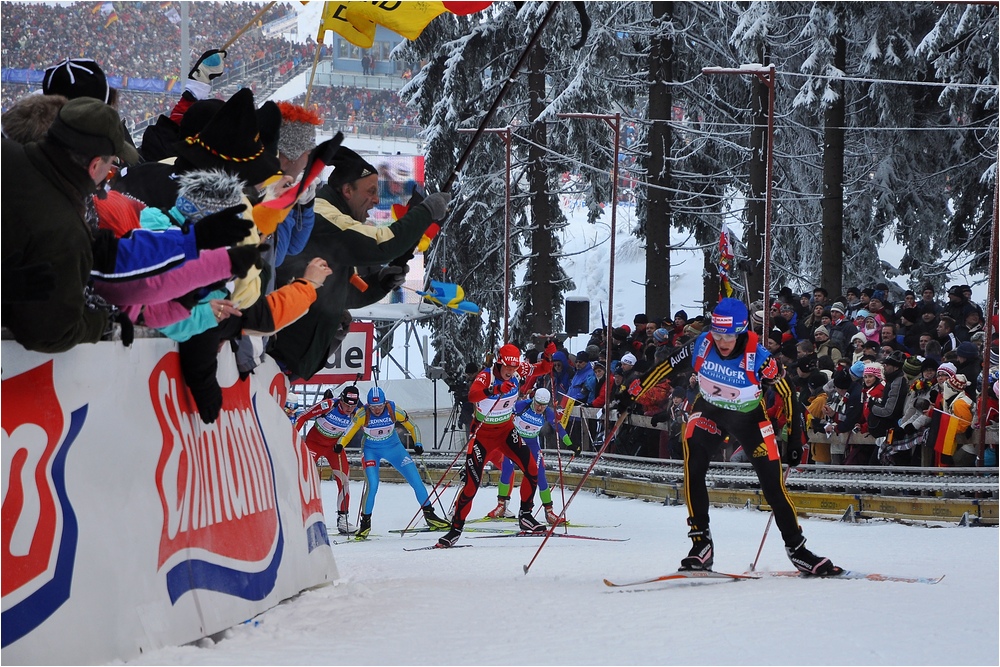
(426, 472)
(770, 520)
(562, 515)
(457, 454)
(562, 486)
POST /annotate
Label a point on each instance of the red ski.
(682, 575)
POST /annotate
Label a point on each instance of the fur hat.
(232, 141)
(203, 192)
(77, 77)
(298, 130)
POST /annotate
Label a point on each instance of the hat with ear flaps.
(233, 141)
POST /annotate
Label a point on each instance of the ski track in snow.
(475, 606)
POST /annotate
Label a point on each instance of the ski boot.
(551, 517)
(809, 563)
(343, 527)
(500, 511)
(434, 522)
(451, 537)
(365, 528)
(702, 554)
(526, 522)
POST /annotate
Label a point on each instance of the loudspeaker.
(577, 315)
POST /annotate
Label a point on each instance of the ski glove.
(391, 277)
(568, 443)
(116, 316)
(437, 204)
(208, 398)
(338, 448)
(208, 67)
(222, 228)
(245, 257)
(504, 388)
(793, 453)
(418, 449)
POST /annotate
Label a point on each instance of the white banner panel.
(128, 524)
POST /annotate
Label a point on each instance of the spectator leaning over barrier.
(49, 247)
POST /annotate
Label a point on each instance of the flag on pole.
(567, 410)
(356, 21)
(945, 427)
(449, 295)
(725, 263)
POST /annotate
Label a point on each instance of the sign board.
(130, 524)
(355, 356)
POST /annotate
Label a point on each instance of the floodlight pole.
(504, 134)
(614, 121)
(767, 76)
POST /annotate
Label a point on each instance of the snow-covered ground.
(476, 606)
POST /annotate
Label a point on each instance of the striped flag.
(944, 429)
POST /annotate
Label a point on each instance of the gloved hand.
(793, 453)
(245, 257)
(505, 387)
(222, 228)
(909, 429)
(568, 443)
(658, 418)
(342, 330)
(418, 449)
(338, 448)
(208, 398)
(116, 316)
(437, 204)
(209, 66)
(32, 282)
(392, 276)
(550, 349)
(328, 394)
(308, 194)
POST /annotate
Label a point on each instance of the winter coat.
(583, 387)
(304, 347)
(884, 413)
(912, 415)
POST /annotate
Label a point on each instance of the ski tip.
(609, 583)
(525, 567)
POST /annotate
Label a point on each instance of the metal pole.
(614, 121)
(990, 311)
(185, 39)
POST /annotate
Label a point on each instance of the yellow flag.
(567, 410)
(359, 32)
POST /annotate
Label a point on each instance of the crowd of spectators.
(353, 110)
(878, 381)
(143, 42)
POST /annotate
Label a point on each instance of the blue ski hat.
(730, 317)
(858, 369)
(376, 396)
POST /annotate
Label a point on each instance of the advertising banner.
(128, 523)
